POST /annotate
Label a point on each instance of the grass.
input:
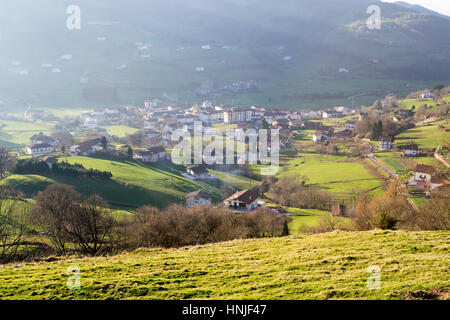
(132, 185)
(426, 135)
(16, 134)
(336, 174)
(120, 131)
(325, 266)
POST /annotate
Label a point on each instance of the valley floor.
(413, 265)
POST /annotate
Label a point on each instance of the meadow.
(336, 174)
(326, 266)
(428, 135)
(132, 185)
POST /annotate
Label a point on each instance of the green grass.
(120, 131)
(133, 184)
(325, 266)
(409, 103)
(427, 135)
(16, 134)
(336, 174)
(235, 180)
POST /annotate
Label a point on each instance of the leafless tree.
(13, 224)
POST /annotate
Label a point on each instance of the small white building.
(40, 148)
(385, 143)
(199, 172)
(424, 173)
(411, 151)
(198, 198)
(320, 136)
(245, 200)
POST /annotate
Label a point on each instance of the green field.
(133, 184)
(425, 135)
(325, 266)
(336, 174)
(120, 131)
(16, 133)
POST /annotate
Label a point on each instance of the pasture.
(326, 266)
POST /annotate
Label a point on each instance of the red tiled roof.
(425, 169)
(245, 196)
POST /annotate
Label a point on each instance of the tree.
(264, 124)
(130, 152)
(285, 231)
(13, 224)
(91, 225)
(7, 162)
(104, 143)
(52, 208)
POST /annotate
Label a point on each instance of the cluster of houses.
(242, 201)
(41, 144)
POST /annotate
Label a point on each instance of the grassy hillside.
(326, 266)
(428, 135)
(133, 184)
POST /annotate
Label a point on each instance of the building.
(424, 173)
(41, 139)
(338, 210)
(320, 136)
(385, 143)
(199, 172)
(153, 154)
(198, 198)
(40, 148)
(411, 150)
(246, 200)
(328, 114)
(427, 94)
(238, 115)
(350, 125)
(86, 148)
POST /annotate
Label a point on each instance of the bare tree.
(52, 208)
(91, 225)
(13, 224)
(7, 162)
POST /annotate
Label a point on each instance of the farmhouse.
(350, 125)
(243, 200)
(411, 150)
(153, 155)
(424, 173)
(198, 198)
(39, 148)
(199, 172)
(87, 147)
(41, 139)
(385, 143)
(320, 136)
(427, 94)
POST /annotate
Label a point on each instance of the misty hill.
(128, 51)
(421, 9)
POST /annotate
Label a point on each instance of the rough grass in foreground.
(326, 266)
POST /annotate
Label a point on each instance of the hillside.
(327, 266)
(186, 51)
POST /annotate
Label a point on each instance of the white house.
(411, 150)
(320, 136)
(153, 154)
(199, 172)
(39, 148)
(86, 148)
(198, 198)
(385, 143)
(424, 173)
(350, 125)
(243, 200)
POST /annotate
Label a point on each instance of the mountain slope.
(128, 51)
(421, 9)
(325, 266)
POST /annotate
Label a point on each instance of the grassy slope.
(133, 183)
(425, 135)
(333, 173)
(326, 266)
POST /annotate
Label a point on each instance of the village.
(370, 133)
